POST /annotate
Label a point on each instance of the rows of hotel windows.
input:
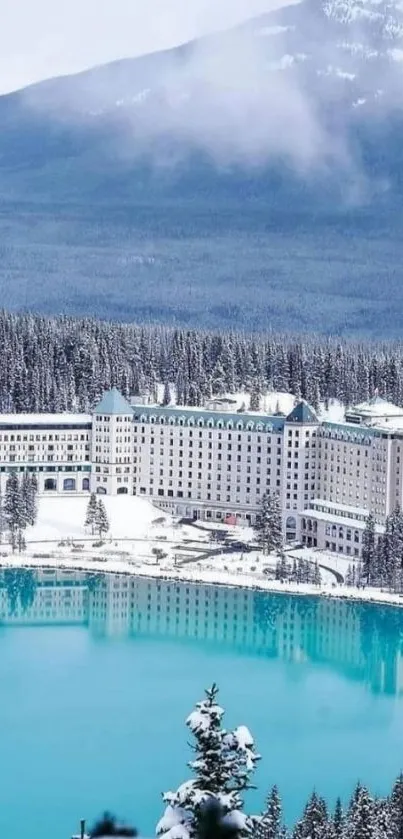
(46, 446)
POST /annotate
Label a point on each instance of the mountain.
(251, 179)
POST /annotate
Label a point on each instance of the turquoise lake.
(98, 674)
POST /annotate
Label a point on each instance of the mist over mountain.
(251, 178)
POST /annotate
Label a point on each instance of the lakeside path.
(187, 574)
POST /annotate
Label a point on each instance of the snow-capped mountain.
(253, 178)
(301, 85)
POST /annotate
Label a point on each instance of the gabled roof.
(113, 402)
(302, 413)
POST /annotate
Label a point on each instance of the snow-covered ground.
(138, 530)
(187, 553)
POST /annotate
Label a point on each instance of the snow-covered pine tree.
(29, 490)
(338, 820)
(316, 577)
(33, 501)
(283, 569)
(270, 824)
(392, 547)
(255, 396)
(315, 821)
(21, 542)
(224, 763)
(396, 804)
(14, 509)
(101, 521)
(360, 817)
(91, 512)
(268, 526)
(166, 399)
(294, 572)
(383, 821)
(369, 550)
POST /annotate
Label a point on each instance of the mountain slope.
(252, 178)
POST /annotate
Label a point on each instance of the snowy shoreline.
(208, 577)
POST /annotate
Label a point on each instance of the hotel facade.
(216, 464)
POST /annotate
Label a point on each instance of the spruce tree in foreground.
(268, 526)
(224, 763)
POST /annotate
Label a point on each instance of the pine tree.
(21, 543)
(269, 825)
(369, 550)
(14, 509)
(361, 821)
(29, 491)
(268, 526)
(101, 521)
(91, 513)
(392, 548)
(314, 820)
(224, 763)
(316, 577)
(384, 827)
(338, 820)
(255, 397)
(166, 399)
(283, 569)
(396, 804)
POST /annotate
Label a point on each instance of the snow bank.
(61, 517)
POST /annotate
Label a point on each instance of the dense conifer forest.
(58, 364)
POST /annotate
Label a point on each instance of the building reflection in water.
(362, 640)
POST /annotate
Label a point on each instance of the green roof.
(113, 402)
(180, 415)
(302, 413)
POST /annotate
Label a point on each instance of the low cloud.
(243, 97)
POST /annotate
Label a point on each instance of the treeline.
(58, 364)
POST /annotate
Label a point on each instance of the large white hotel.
(216, 463)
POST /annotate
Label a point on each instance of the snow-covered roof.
(342, 508)
(376, 407)
(44, 419)
(355, 524)
(114, 403)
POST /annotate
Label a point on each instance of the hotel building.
(216, 463)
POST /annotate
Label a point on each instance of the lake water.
(97, 675)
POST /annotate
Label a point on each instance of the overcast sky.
(43, 38)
